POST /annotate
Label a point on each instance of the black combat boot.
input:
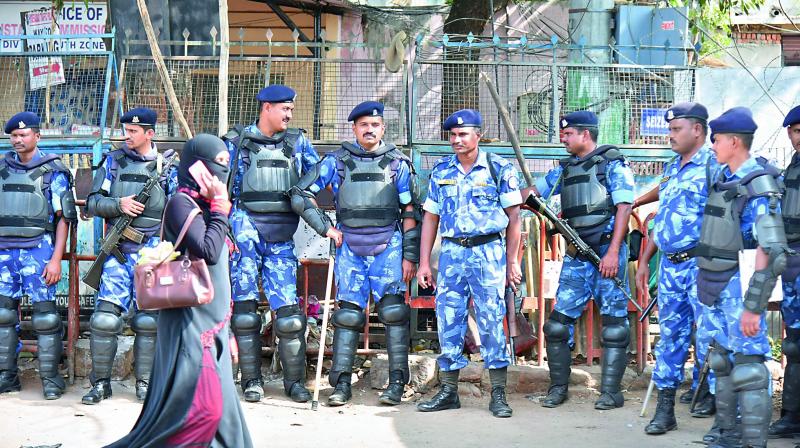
(393, 394)
(686, 397)
(499, 406)
(706, 403)
(664, 419)
(447, 397)
(342, 393)
(101, 389)
(9, 381)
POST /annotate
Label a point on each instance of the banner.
(75, 18)
(44, 71)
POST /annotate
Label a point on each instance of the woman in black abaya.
(192, 400)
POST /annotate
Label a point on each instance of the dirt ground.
(29, 421)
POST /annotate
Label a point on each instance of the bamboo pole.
(158, 58)
(224, 57)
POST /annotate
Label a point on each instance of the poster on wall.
(46, 70)
(76, 18)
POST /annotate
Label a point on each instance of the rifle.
(702, 379)
(648, 309)
(511, 320)
(120, 229)
(572, 237)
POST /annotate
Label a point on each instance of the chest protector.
(129, 179)
(270, 173)
(367, 195)
(25, 210)
(585, 200)
(721, 236)
(790, 206)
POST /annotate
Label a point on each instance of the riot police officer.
(268, 158)
(789, 423)
(120, 177)
(596, 187)
(377, 237)
(742, 210)
(37, 206)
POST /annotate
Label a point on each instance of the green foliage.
(776, 348)
(714, 16)
(58, 4)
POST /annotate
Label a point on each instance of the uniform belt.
(680, 257)
(472, 241)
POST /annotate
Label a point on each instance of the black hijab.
(203, 147)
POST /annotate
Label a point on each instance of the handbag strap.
(185, 228)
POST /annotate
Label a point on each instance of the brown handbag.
(178, 283)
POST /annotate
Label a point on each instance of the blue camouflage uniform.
(789, 424)
(357, 275)
(682, 196)
(36, 195)
(124, 172)
(472, 204)
(591, 189)
(580, 281)
(721, 321)
(274, 263)
(117, 285)
(751, 196)
(21, 268)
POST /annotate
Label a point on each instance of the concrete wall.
(721, 89)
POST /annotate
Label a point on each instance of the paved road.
(30, 421)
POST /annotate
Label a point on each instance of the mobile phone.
(198, 171)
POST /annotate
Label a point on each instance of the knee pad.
(45, 319)
(145, 322)
(106, 319)
(246, 322)
(791, 346)
(556, 329)
(720, 361)
(750, 374)
(392, 310)
(616, 332)
(9, 315)
(290, 323)
(349, 316)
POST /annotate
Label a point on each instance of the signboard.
(44, 71)
(653, 122)
(75, 18)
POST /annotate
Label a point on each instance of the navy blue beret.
(142, 116)
(737, 120)
(276, 93)
(22, 120)
(686, 110)
(463, 118)
(581, 118)
(793, 117)
(367, 108)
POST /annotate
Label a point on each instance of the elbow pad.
(68, 209)
(763, 281)
(303, 205)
